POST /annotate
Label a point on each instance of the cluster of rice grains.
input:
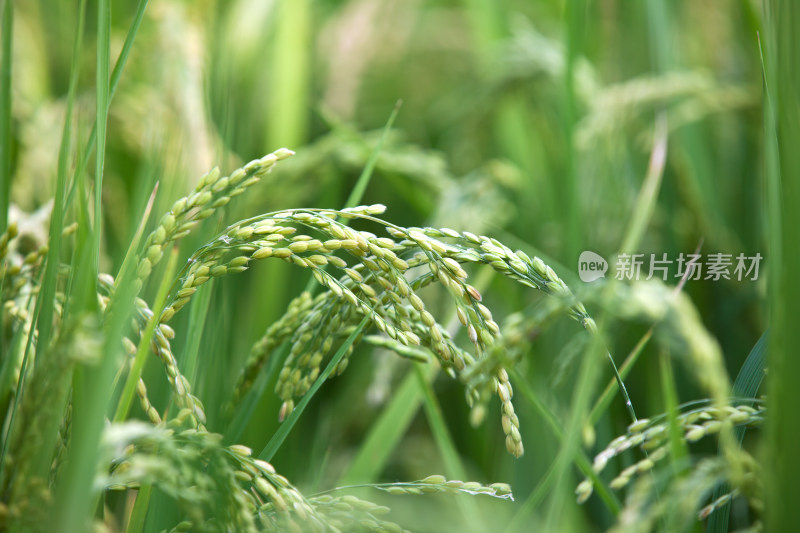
(212, 192)
(231, 486)
(697, 421)
(377, 277)
(18, 271)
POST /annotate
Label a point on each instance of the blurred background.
(529, 121)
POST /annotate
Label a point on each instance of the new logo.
(591, 266)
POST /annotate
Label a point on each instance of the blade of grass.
(57, 217)
(454, 468)
(207, 364)
(584, 388)
(74, 496)
(277, 439)
(575, 15)
(92, 385)
(545, 484)
(197, 317)
(387, 431)
(46, 300)
(143, 350)
(782, 134)
(140, 508)
(605, 399)
(289, 94)
(648, 194)
(752, 374)
(91, 396)
(678, 449)
(747, 383)
(608, 393)
(643, 210)
(658, 24)
(247, 406)
(363, 179)
(131, 256)
(116, 74)
(5, 111)
(101, 118)
(81, 290)
(521, 521)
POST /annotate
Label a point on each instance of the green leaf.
(747, 383)
(283, 431)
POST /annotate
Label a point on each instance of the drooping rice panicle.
(375, 281)
(695, 422)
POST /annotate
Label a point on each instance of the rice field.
(382, 266)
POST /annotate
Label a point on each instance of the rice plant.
(382, 327)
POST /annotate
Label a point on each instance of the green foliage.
(361, 345)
